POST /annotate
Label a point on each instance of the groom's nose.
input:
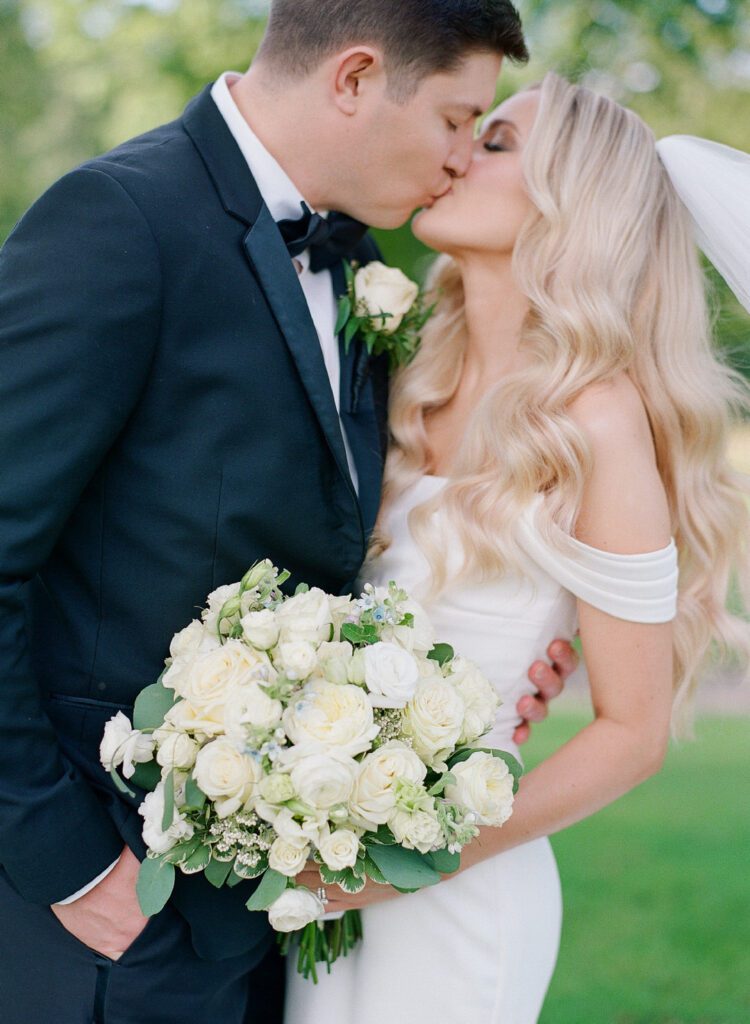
(459, 159)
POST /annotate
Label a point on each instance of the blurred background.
(657, 887)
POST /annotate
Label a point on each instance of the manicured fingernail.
(539, 673)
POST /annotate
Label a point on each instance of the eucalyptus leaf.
(120, 783)
(272, 884)
(147, 775)
(404, 869)
(154, 885)
(167, 818)
(442, 654)
(217, 872)
(151, 705)
(444, 861)
(195, 798)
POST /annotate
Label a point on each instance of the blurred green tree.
(78, 76)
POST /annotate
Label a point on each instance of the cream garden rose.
(226, 776)
(331, 716)
(380, 289)
(207, 679)
(324, 780)
(484, 784)
(339, 849)
(374, 795)
(418, 831)
(287, 858)
(479, 696)
(434, 718)
(175, 749)
(307, 616)
(249, 707)
(260, 629)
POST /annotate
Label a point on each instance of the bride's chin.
(425, 231)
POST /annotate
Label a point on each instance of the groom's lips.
(433, 199)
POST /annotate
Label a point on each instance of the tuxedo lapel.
(359, 417)
(269, 259)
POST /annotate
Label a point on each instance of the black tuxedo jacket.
(165, 420)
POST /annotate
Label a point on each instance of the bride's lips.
(433, 199)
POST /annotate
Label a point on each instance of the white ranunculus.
(484, 785)
(294, 909)
(331, 717)
(216, 601)
(175, 749)
(297, 833)
(260, 629)
(479, 696)
(124, 745)
(297, 659)
(277, 788)
(152, 811)
(374, 795)
(287, 858)
(418, 831)
(379, 289)
(249, 706)
(433, 719)
(324, 780)
(339, 849)
(226, 776)
(306, 616)
(210, 676)
(391, 675)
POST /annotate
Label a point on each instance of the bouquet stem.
(323, 942)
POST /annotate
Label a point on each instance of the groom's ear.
(355, 71)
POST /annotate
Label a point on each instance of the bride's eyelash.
(495, 147)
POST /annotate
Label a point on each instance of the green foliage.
(151, 706)
(271, 886)
(154, 885)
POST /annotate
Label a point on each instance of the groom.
(173, 406)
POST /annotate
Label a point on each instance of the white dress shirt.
(283, 199)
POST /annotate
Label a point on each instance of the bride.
(559, 445)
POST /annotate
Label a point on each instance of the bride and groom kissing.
(176, 404)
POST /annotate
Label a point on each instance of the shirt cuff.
(87, 888)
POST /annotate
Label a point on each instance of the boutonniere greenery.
(385, 309)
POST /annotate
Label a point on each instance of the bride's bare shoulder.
(625, 506)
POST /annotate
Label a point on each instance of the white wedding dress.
(480, 948)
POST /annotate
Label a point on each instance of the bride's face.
(485, 210)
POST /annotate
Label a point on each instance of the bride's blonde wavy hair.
(614, 282)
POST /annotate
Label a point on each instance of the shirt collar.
(280, 194)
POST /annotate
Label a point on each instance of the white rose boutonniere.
(386, 308)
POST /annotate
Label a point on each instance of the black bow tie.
(329, 239)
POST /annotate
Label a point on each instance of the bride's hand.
(338, 900)
(549, 681)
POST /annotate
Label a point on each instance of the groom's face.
(409, 153)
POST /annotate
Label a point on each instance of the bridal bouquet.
(309, 727)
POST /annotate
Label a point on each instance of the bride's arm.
(624, 510)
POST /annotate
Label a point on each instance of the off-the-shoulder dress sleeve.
(638, 588)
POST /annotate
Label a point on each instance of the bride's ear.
(355, 71)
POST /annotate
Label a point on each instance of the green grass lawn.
(657, 890)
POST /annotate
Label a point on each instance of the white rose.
(479, 696)
(226, 776)
(339, 849)
(331, 717)
(324, 780)
(152, 811)
(287, 858)
(211, 675)
(216, 601)
(433, 719)
(175, 749)
(418, 831)
(249, 706)
(380, 289)
(294, 909)
(124, 745)
(260, 629)
(204, 723)
(334, 659)
(484, 785)
(297, 659)
(191, 640)
(306, 616)
(391, 675)
(374, 795)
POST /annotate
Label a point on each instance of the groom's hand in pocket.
(108, 919)
(549, 681)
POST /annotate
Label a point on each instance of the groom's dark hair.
(418, 37)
